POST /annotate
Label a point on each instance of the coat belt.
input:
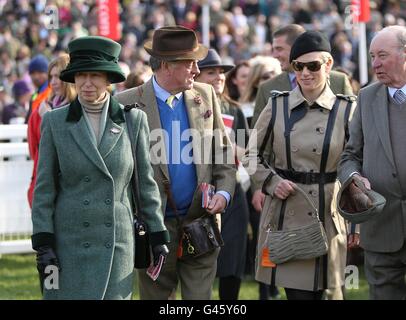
(307, 177)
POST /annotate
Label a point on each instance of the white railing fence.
(15, 175)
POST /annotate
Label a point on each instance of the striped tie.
(169, 101)
(399, 97)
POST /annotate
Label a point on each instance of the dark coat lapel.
(114, 128)
(380, 112)
(81, 134)
(111, 135)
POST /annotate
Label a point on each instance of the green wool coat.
(83, 204)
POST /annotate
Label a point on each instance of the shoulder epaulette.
(350, 98)
(276, 93)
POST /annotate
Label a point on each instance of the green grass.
(19, 281)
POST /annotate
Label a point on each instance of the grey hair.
(399, 32)
(155, 63)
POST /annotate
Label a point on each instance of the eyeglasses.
(312, 66)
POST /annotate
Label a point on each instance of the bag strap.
(323, 163)
(296, 114)
(171, 201)
(268, 133)
(324, 154)
(304, 194)
(346, 120)
(134, 179)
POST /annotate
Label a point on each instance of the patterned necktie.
(399, 97)
(169, 101)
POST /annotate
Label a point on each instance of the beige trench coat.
(307, 136)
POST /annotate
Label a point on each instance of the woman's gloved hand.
(46, 256)
(160, 250)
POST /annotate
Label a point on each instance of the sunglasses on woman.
(312, 66)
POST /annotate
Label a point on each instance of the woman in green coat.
(82, 209)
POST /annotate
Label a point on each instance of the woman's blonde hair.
(327, 56)
(262, 68)
(61, 62)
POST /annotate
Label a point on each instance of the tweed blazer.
(205, 118)
(369, 152)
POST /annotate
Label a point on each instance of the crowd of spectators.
(239, 30)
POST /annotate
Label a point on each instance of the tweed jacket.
(83, 201)
(211, 140)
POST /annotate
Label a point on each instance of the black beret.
(308, 42)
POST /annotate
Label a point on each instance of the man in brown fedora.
(176, 105)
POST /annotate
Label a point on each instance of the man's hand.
(258, 199)
(217, 204)
(284, 189)
(364, 180)
(353, 241)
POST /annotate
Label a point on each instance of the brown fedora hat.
(175, 43)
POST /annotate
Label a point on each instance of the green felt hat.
(93, 53)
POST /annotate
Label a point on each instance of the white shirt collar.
(161, 93)
(393, 90)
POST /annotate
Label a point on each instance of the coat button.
(87, 179)
(108, 224)
(291, 212)
(313, 193)
(86, 202)
(107, 201)
(295, 149)
(394, 174)
(86, 224)
(86, 244)
(320, 130)
(108, 245)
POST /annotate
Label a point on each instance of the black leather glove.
(45, 257)
(160, 250)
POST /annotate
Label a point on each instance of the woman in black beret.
(306, 133)
(82, 209)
